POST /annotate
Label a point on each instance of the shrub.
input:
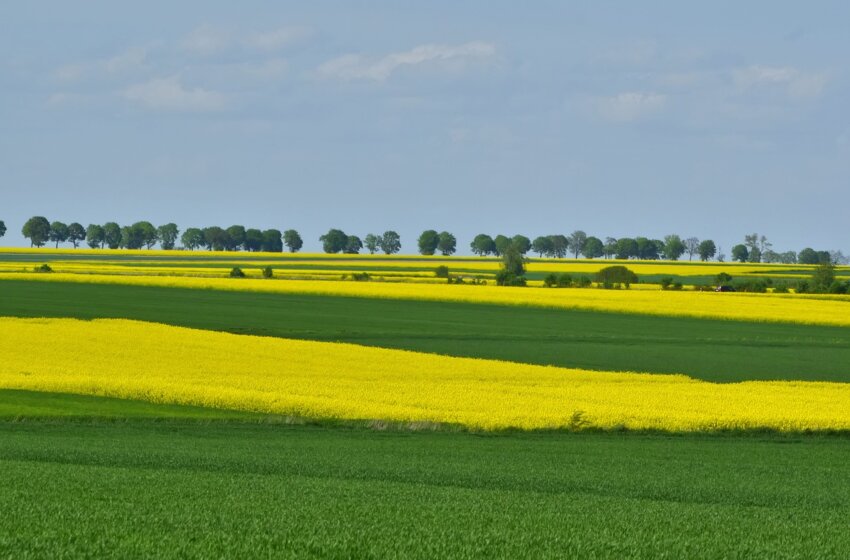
(676, 286)
(584, 282)
(781, 289)
(754, 286)
(441, 271)
(268, 272)
(551, 280)
(236, 272)
(43, 268)
(666, 282)
(839, 287)
(361, 277)
(722, 279)
(507, 278)
(616, 276)
(565, 281)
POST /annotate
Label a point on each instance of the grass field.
(172, 490)
(91, 476)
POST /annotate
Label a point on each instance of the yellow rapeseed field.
(816, 310)
(153, 362)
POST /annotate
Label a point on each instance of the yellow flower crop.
(165, 364)
(816, 310)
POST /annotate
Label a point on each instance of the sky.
(712, 119)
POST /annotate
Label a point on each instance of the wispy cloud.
(630, 106)
(170, 95)
(128, 60)
(276, 38)
(358, 67)
(207, 39)
(795, 82)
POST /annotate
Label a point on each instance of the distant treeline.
(144, 235)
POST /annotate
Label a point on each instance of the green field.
(715, 350)
(171, 490)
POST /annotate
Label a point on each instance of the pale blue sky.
(618, 118)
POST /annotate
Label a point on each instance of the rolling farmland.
(402, 416)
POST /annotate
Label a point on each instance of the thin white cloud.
(630, 106)
(69, 72)
(207, 39)
(277, 38)
(358, 67)
(128, 60)
(795, 83)
(170, 95)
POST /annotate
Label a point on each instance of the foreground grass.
(148, 489)
(714, 350)
(24, 405)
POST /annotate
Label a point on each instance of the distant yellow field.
(165, 364)
(186, 262)
(816, 310)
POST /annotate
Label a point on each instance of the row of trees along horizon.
(144, 235)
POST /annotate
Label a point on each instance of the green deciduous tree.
(2, 228)
(542, 245)
(292, 240)
(216, 238)
(577, 239)
(112, 235)
(626, 248)
(334, 241)
(37, 230)
(522, 244)
(76, 233)
(95, 236)
(674, 247)
(428, 242)
(253, 240)
(808, 256)
(501, 243)
(353, 245)
(236, 237)
(707, 249)
(272, 241)
(740, 253)
(593, 248)
(167, 235)
(390, 242)
(192, 238)
(147, 233)
(560, 245)
(58, 233)
(372, 242)
(647, 249)
(447, 244)
(483, 245)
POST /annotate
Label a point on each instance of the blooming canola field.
(164, 364)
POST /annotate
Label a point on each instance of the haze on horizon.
(620, 119)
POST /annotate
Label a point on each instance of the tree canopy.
(390, 242)
(428, 242)
(292, 240)
(37, 230)
(483, 245)
(447, 244)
